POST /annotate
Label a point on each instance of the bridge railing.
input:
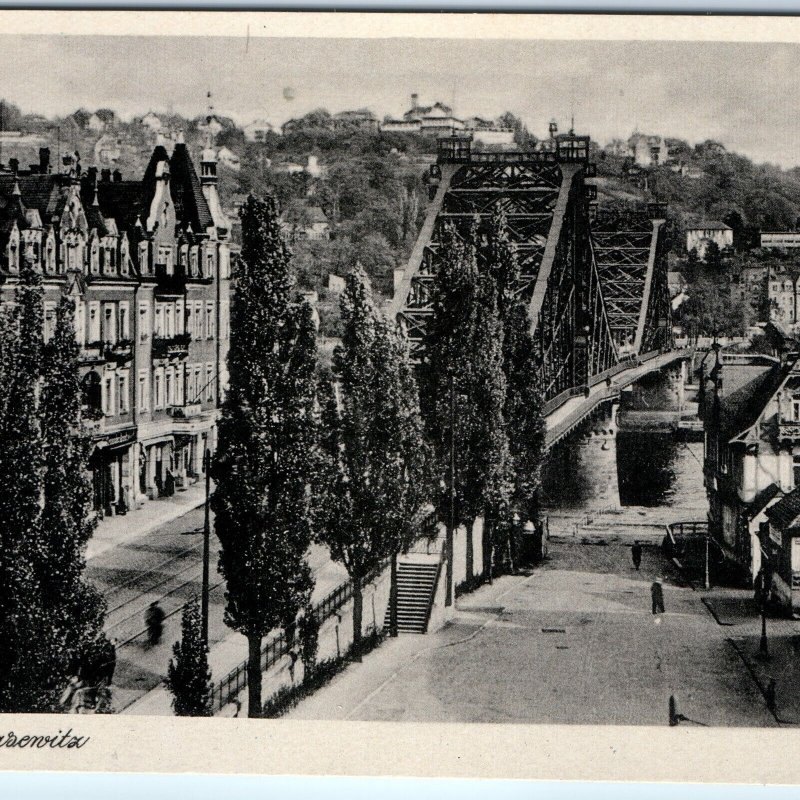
(556, 402)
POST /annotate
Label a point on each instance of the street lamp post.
(707, 576)
(206, 545)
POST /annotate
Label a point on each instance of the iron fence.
(276, 647)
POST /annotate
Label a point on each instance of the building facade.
(752, 423)
(784, 240)
(147, 264)
(699, 237)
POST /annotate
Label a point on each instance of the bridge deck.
(565, 417)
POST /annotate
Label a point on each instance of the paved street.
(574, 642)
(165, 564)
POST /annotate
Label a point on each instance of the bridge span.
(565, 412)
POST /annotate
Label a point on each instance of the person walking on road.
(154, 621)
(657, 595)
(636, 555)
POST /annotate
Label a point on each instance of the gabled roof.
(191, 207)
(710, 225)
(785, 514)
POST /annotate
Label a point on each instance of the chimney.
(91, 174)
(105, 175)
(117, 176)
(44, 160)
(13, 165)
(414, 99)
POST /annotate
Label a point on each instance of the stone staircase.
(416, 584)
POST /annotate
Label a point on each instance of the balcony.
(92, 353)
(789, 429)
(186, 411)
(121, 351)
(173, 347)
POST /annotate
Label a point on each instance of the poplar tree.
(444, 386)
(188, 674)
(372, 478)
(264, 455)
(523, 401)
(50, 618)
(24, 684)
(74, 609)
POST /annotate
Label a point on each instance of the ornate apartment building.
(148, 265)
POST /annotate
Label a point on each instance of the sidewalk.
(114, 531)
(737, 613)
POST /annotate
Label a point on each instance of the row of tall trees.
(348, 458)
(50, 617)
(479, 383)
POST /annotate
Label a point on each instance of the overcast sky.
(745, 95)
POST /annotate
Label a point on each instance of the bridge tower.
(546, 203)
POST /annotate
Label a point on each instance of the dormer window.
(796, 408)
(144, 260)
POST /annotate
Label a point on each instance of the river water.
(604, 470)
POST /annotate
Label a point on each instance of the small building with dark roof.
(781, 542)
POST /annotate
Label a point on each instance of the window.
(49, 320)
(123, 256)
(94, 262)
(122, 385)
(144, 320)
(165, 259)
(796, 408)
(170, 380)
(179, 385)
(179, 317)
(210, 382)
(80, 322)
(189, 319)
(796, 469)
(169, 320)
(51, 256)
(198, 320)
(108, 396)
(198, 383)
(211, 325)
(193, 262)
(144, 390)
(94, 322)
(109, 323)
(209, 264)
(144, 260)
(124, 321)
(159, 324)
(158, 386)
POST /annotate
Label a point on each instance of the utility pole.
(206, 537)
(451, 526)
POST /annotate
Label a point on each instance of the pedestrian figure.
(667, 548)
(657, 595)
(154, 621)
(109, 662)
(770, 695)
(636, 555)
(292, 662)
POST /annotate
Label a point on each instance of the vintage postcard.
(400, 395)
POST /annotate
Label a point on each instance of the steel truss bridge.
(595, 281)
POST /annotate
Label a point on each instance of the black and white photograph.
(397, 376)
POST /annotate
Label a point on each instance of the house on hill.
(647, 150)
(361, 119)
(698, 237)
(433, 120)
(258, 130)
(151, 121)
